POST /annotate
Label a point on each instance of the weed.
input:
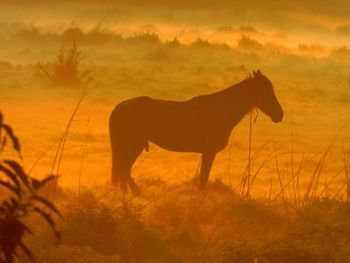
(23, 200)
(65, 69)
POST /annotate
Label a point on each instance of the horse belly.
(189, 138)
(176, 130)
(177, 143)
(178, 136)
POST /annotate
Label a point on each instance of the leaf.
(47, 203)
(26, 251)
(46, 216)
(19, 171)
(14, 202)
(10, 174)
(11, 205)
(37, 184)
(7, 206)
(10, 187)
(25, 227)
(49, 220)
(3, 143)
(9, 256)
(14, 139)
(1, 121)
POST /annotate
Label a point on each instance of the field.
(296, 206)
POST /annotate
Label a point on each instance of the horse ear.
(259, 73)
(254, 73)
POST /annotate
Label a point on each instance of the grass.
(173, 222)
(346, 160)
(178, 223)
(223, 228)
(65, 69)
(292, 208)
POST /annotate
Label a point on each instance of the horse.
(201, 124)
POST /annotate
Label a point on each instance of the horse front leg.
(207, 162)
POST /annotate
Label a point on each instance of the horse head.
(265, 98)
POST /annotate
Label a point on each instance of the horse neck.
(237, 100)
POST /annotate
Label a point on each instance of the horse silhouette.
(202, 124)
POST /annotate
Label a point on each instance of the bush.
(65, 69)
(22, 200)
(111, 233)
(64, 254)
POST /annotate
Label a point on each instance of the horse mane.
(249, 77)
(253, 75)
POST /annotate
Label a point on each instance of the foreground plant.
(20, 200)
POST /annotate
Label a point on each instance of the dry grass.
(172, 222)
(66, 70)
(346, 161)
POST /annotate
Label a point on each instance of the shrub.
(65, 69)
(113, 233)
(64, 254)
(237, 252)
(21, 201)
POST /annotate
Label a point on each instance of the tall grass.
(56, 165)
(65, 70)
(175, 223)
(299, 195)
(346, 162)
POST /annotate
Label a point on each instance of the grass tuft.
(65, 70)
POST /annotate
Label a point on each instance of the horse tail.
(127, 143)
(119, 179)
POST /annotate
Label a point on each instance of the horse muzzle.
(278, 118)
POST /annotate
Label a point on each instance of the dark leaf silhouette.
(3, 142)
(10, 187)
(37, 184)
(23, 201)
(10, 174)
(26, 251)
(14, 139)
(1, 123)
(47, 203)
(48, 219)
(17, 168)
